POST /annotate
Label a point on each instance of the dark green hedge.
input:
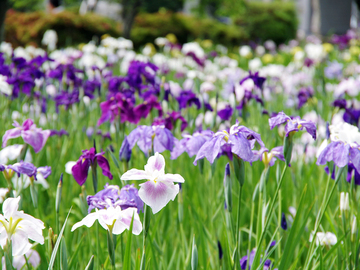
(262, 21)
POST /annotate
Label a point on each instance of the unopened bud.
(344, 202)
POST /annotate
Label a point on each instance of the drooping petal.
(31, 230)
(80, 171)
(125, 220)
(88, 221)
(135, 174)
(241, 147)
(355, 158)
(36, 138)
(280, 118)
(104, 165)
(163, 140)
(341, 154)
(11, 134)
(171, 178)
(157, 195)
(310, 128)
(327, 154)
(20, 243)
(210, 149)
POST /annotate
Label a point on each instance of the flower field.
(192, 156)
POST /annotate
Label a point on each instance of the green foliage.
(26, 5)
(276, 21)
(28, 28)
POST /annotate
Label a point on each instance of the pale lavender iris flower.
(160, 187)
(36, 137)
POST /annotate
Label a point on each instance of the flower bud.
(353, 229)
(344, 202)
(227, 185)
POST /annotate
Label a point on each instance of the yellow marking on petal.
(299, 126)
(226, 138)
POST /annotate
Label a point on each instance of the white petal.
(41, 180)
(33, 257)
(20, 243)
(157, 195)
(34, 233)
(135, 174)
(10, 206)
(88, 221)
(172, 178)
(155, 163)
(68, 166)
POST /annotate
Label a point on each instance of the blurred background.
(229, 22)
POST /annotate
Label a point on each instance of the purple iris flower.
(147, 137)
(90, 158)
(188, 98)
(60, 133)
(36, 137)
(125, 151)
(283, 222)
(292, 124)
(191, 143)
(142, 110)
(351, 114)
(258, 81)
(170, 121)
(248, 95)
(304, 94)
(240, 141)
(269, 157)
(139, 72)
(343, 147)
(29, 169)
(111, 196)
(333, 70)
(352, 171)
(250, 259)
(66, 98)
(226, 113)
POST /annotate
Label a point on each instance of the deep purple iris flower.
(112, 196)
(240, 141)
(188, 98)
(250, 259)
(292, 124)
(226, 113)
(191, 143)
(304, 94)
(90, 158)
(258, 81)
(125, 151)
(139, 72)
(170, 121)
(66, 98)
(351, 114)
(147, 137)
(352, 172)
(60, 133)
(249, 95)
(36, 137)
(29, 169)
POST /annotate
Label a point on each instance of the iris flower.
(90, 158)
(19, 227)
(160, 187)
(241, 140)
(292, 124)
(36, 137)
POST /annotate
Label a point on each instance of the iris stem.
(238, 231)
(97, 246)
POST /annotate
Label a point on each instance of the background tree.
(3, 9)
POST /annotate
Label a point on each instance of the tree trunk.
(3, 9)
(130, 9)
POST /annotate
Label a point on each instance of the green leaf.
(114, 159)
(90, 265)
(194, 256)
(57, 244)
(63, 255)
(127, 259)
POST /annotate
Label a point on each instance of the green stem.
(97, 246)
(237, 229)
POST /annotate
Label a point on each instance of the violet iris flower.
(258, 81)
(226, 113)
(292, 124)
(125, 151)
(188, 98)
(90, 158)
(239, 141)
(29, 169)
(147, 137)
(244, 261)
(343, 147)
(111, 196)
(304, 94)
(191, 143)
(36, 137)
(269, 157)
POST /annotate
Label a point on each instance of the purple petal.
(104, 165)
(11, 134)
(355, 158)
(280, 118)
(241, 147)
(80, 171)
(210, 149)
(36, 138)
(341, 154)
